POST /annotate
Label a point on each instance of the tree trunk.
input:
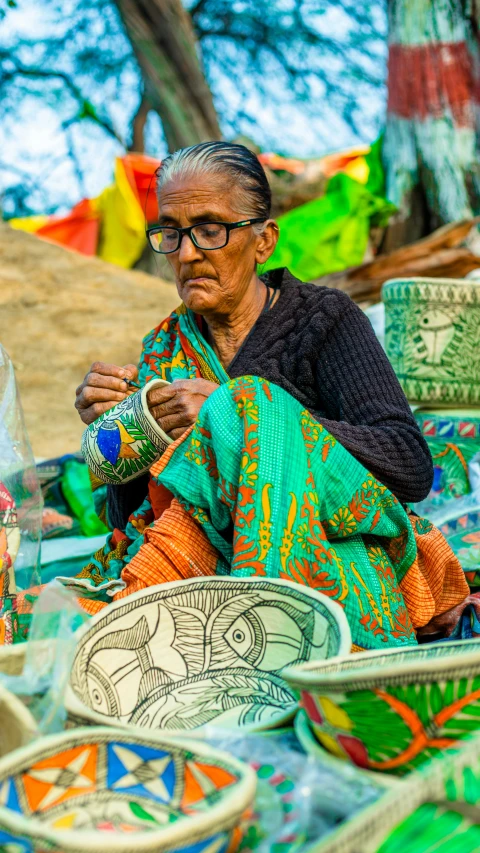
(431, 139)
(138, 126)
(162, 37)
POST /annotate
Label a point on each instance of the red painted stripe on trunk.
(429, 80)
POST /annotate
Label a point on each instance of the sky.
(57, 163)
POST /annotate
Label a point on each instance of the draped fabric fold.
(259, 488)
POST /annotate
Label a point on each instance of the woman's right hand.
(102, 388)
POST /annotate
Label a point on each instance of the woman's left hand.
(175, 407)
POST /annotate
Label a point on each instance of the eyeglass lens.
(208, 236)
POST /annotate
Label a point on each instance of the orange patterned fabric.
(435, 582)
(175, 548)
(91, 606)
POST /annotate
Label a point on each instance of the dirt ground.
(59, 312)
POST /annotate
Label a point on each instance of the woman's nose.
(188, 251)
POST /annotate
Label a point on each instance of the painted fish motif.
(436, 331)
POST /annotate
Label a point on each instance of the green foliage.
(87, 110)
(6, 4)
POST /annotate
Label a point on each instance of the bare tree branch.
(138, 125)
(86, 109)
(258, 56)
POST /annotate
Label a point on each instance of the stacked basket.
(432, 336)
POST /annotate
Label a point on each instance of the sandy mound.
(59, 312)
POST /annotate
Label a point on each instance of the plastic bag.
(299, 797)
(20, 497)
(49, 654)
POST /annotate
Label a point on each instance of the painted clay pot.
(183, 654)
(432, 329)
(437, 809)
(107, 789)
(392, 711)
(125, 441)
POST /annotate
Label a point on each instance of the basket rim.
(220, 816)
(350, 673)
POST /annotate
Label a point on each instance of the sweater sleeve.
(367, 410)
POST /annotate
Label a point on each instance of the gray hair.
(227, 159)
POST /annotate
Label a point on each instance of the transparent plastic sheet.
(439, 508)
(20, 496)
(440, 514)
(49, 653)
(300, 798)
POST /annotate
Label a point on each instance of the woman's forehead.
(195, 199)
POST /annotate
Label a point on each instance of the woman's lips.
(196, 282)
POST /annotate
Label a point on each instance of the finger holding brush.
(104, 386)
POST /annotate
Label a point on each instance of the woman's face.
(212, 282)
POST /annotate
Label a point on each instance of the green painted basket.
(392, 711)
(437, 810)
(432, 330)
(357, 775)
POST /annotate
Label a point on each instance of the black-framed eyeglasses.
(204, 235)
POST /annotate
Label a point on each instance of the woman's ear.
(267, 241)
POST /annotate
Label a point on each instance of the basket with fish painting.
(212, 649)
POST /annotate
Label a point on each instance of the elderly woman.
(294, 446)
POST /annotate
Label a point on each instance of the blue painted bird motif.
(115, 443)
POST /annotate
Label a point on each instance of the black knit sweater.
(320, 347)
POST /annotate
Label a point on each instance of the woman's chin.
(199, 302)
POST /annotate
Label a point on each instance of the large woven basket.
(180, 655)
(436, 808)
(432, 332)
(110, 790)
(391, 711)
(17, 726)
(12, 658)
